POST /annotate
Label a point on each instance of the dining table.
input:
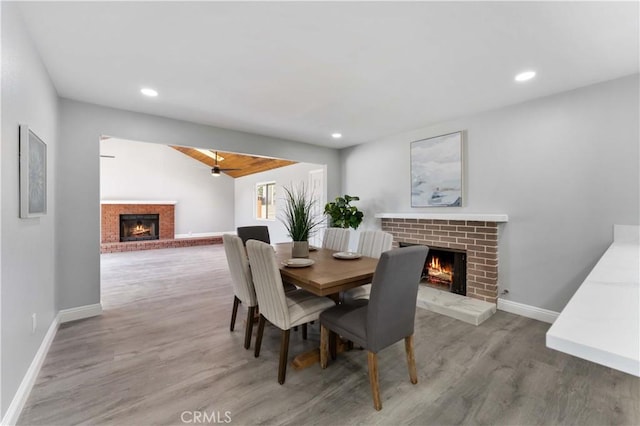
(327, 276)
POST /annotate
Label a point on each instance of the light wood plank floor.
(163, 348)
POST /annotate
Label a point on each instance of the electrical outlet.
(34, 323)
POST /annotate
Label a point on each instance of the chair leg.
(411, 359)
(372, 359)
(333, 345)
(234, 312)
(304, 331)
(249, 327)
(284, 354)
(256, 352)
(324, 346)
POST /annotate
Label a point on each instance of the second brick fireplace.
(477, 238)
(111, 219)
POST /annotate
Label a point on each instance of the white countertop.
(601, 322)
(484, 217)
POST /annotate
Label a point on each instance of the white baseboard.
(81, 312)
(20, 398)
(200, 235)
(528, 311)
(22, 394)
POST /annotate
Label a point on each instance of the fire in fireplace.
(139, 227)
(445, 269)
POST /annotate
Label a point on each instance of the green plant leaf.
(342, 214)
(297, 214)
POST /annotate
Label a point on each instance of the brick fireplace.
(479, 238)
(111, 212)
(110, 219)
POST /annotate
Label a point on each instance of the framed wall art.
(33, 174)
(436, 171)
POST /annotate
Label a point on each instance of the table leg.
(311, 357)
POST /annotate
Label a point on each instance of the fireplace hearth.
(139, 227)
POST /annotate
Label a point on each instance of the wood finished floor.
(163, 347)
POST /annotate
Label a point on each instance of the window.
(266, 201)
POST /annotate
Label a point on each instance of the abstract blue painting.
(436, 171)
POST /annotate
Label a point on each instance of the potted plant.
(298, 219)
(343, 214)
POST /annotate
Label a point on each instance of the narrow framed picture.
(436, 171)
(33, 174)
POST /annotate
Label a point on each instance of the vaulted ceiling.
(303, 70)
(242, 165)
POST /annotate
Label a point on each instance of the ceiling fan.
(216, 168)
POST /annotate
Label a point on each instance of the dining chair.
(284, 310)
(370, 244)
(242, 283)
(386, 318)
(336, 239)
(260, 233)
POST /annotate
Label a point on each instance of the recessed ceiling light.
(149, 92)
(524, 76)
(336, 135)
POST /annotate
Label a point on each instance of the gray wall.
(150, 171)
(565, 168)
(77, 225)
(27, 249)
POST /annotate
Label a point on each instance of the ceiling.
(303, 70)
(244, 165)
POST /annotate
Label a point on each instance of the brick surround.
(110, 229)
(478, 238)
(110, 219)
(158, 244)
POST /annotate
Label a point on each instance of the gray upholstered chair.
(371, 244)
(242, 283)
(284, 310)
(336, 239)
(387, 317)
(260, 233)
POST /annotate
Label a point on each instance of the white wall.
(148, 171)
(245, 194)
(565, 168)
(27, 250)
(81, 126)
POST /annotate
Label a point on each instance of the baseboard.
(81, 312)
(201, 234)
(528, 311)
(29, 379)
(20, 398)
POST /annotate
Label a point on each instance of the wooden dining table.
(328, 276)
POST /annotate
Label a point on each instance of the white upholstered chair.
(371, 244)
(242, 283)
(336, 239)
(284, 310)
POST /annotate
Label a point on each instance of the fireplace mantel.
(139, 202)
(483, 217)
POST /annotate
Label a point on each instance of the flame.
(435, 265)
